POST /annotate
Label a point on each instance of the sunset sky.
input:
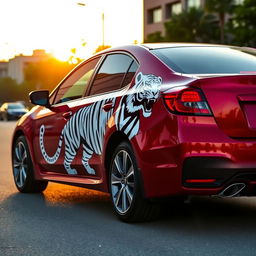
(59, 25)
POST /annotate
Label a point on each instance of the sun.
(61, 55)
(61, 25)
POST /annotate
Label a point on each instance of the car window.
(111, 73)
(208, 59)
(75, 85)
(15, 106)
(130, 73)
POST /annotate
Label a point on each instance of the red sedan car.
(145, 122)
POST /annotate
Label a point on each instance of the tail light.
(190, 101)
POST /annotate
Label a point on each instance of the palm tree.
(244, 27)
(191, 25)
(221, 8)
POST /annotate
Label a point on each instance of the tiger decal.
(141, 97)
(87, 126)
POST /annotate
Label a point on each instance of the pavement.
(67, 220)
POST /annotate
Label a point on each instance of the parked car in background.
(12, 111)
(145, 122)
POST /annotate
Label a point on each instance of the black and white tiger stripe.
(141, 97)
(87, 127)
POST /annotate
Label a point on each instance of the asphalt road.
(66, 220)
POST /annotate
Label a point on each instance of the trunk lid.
(232, 100)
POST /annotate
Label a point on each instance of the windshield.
(208, 59)
(15, 106)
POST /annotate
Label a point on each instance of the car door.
(49, 141)
(104, 91)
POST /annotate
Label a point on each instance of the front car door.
(53, 148)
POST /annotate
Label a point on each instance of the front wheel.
(23, 171)
(5, 117)
(125, 187)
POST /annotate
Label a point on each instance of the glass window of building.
(172, 9)
(239, 2)
(176, 8)
(155, 15)
(193, 3)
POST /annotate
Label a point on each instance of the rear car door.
(115, 72)
(49, 141)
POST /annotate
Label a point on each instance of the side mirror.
(40, 98)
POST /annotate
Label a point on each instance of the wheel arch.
(16, 135)
(115, 139)
(28, 134)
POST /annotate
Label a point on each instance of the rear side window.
(208, 60)
(130, 73)
(111, 74)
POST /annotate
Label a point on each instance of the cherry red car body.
(144, 122)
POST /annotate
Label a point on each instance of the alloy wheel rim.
(122, 181)
(20, 165)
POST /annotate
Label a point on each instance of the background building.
(18, 64)
(157, 12)
(3, 69)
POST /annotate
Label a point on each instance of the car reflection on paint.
(143, 123)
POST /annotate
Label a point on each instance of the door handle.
(108, 106)
(67, 114)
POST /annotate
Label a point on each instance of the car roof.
(14, 102)
(152, 46)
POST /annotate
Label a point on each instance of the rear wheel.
(23, 171)
(125, 187)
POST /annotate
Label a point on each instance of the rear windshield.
(208, 59)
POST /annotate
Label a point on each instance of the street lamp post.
(103, 28)
(102, 23)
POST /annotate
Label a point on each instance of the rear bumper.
(199, 160)
(211, 175)
(214, 172)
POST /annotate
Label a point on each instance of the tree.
(154, 37)
(221, 8)
(46, 74)
(8, 89)
(101, 48)
(191, 25)
(43, 75)
(11, 91)
(244, 26)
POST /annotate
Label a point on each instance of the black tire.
(23, 171)
(6, 118)
(126, 189)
